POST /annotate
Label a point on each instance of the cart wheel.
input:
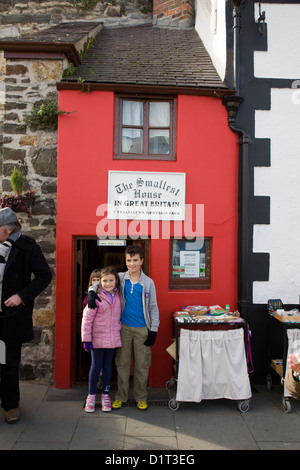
(170, 385)
(269, 384)
(173, 404)
(286, 405)
(244, 406)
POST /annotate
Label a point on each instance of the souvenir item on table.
(217, 310)
(196, 310)
(287, 316)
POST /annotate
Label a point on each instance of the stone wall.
(24, 18)
(34, 153)
(24, 83)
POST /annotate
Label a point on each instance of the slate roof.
(66, 39)
(63, 33)
(146, 56)
(149, 55)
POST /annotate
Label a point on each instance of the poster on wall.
(191, 262)
(146, 195)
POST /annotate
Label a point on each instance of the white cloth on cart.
(293, 335)
(212, 364)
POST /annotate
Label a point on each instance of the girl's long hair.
(95, 273)
(110, 270)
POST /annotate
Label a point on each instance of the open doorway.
(91, 253)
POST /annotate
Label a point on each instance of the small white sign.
(191, 262)
(111, 242)
(146, 195)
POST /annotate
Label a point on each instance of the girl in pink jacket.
(100, 334)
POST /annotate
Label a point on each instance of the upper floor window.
(145, 129)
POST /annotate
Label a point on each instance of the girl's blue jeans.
(101, 361)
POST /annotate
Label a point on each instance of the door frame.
(78, 289)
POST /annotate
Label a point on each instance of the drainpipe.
(232, 104)
(236, 15)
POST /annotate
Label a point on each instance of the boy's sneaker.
(117, 404)
(90, 403)
(142, 405)
(105, 402)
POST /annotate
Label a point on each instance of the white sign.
(146, 195)
(191, 261)
(111, 242)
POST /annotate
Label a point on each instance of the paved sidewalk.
(53, 419)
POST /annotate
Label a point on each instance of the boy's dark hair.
(132, 250)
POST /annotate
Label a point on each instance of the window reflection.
(159, 141)
(132, 140)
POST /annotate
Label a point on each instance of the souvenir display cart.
(283, 328)
(210, 353)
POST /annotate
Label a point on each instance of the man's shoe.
(142, 405)
(116, 404)
(12, 416)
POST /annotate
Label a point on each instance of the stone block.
(44, 162)
(47, 336)
(14, 128)
(14, 105)
(43, 317)
(7, 169)
(17, 69)
(9, 33)
(27, 372)
(26, 18)
(113, 11)
(12, 117)
(30, 140)
(47, 70)
(49, 187)
(49, 221)
(44, 371)
(46, 207)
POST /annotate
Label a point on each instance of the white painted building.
(281, 124)
(255, 47)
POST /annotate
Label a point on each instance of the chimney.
(174, 13)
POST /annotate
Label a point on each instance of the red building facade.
(206, 152)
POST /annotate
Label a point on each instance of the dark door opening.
(90, 254)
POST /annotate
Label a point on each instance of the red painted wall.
(207, 151)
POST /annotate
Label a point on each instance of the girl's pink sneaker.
(90, 403)
(105, 402)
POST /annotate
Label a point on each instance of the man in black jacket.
(24, 274)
